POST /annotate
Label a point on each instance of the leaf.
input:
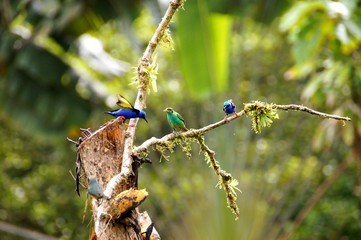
(312, 86)
(203, 48)
(298, 13)
(220, 26)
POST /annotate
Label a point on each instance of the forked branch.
(140, 103)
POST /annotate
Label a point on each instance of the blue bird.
(229, 107)
(127, 111)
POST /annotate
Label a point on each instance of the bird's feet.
(128, 125)
(236, 114)
(225, 118)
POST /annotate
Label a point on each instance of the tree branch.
(309, 110)
(226, 181)
(189, 134)
(140, 103)
(23, 232)
(262, 113)
(196, 132)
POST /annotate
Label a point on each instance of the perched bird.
(95, 190)
(229, 107)
(175, 120)
(127, 111)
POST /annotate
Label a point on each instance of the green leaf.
(298, 13)
(220, 25)
(203, 47)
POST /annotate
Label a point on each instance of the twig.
(75, 179)
(140, 103)
(85, 208)
(72, 141)
(309, 110)
(225, 179)
(23, 232)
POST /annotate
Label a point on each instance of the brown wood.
(101, 154)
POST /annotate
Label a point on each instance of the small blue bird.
(175, 120)
(228, 108)
(127, 111)
(95, 190)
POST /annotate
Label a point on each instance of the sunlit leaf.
(298, 12)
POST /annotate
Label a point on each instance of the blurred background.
(62, 62)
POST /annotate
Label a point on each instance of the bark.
(101, 154)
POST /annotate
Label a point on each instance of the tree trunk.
(101, 155)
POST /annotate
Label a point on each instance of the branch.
(226, 181)
(23, 232)
(189, 134)
(255, 106)
(309, 110)
(140, 103)
(262, 115)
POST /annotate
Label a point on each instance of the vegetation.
(63, 62)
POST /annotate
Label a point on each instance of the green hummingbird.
(95, 190)
(175, 120)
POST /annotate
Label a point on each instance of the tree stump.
(101, 155)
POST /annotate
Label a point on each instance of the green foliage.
(35, 185)
(217, 56)
(262, 114)
(207, 69)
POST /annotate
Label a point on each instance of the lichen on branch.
(143, 84)
(262, 114)
(226, 181)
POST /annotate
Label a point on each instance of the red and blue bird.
(127, 110)
(228, 108)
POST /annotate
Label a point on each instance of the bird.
(175, 120)
(95, 190)
(127, 110)
(228, 108)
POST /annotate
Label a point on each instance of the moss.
(262, 114)
(166, 39)
(226, 181)
(183, 142)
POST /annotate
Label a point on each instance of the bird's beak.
(164, 110)
(145, 120)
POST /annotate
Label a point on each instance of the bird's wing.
(232, 104)
(124, 103)
(179, 116)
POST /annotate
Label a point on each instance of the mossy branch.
(226, 181)
(253, 109)
(262, 116)
(264, 113)
(309, 110)
(143, 85)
